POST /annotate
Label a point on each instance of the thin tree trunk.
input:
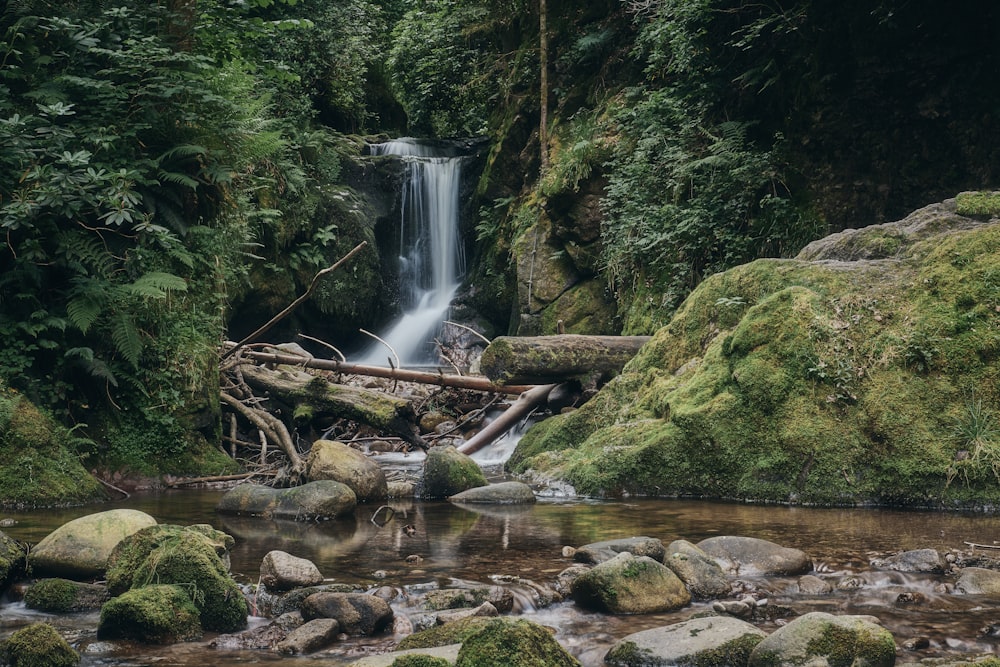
(543, 57)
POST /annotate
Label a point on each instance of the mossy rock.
(329, 459)
(420, 661)
(714, 641)
(818, 636)
(519, 643)
(156, 614)
(12, 559)
(37, 469)
(62, 596)
(448, 472)
(320, 500)
(826, 382)
(188, 556)
(443, 635)
(80, 549)
(38, 645)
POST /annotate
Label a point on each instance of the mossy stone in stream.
(442, 635)
(420, 661)
(156, 614)
(519, 643)
(62, 595)
(12, 556)
(448, 472)
(38, 645)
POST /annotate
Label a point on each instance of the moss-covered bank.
(827, 381)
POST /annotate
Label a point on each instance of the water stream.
(489, 544)
(431, 260)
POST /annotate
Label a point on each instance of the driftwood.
(382, 411)
(546, 359)
(424, 377)
(518, 410)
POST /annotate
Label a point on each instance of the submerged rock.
(329, 459)
(448, 472)
(502, 493)
(79, 549)
(819, 638)
(38, 645)
(750, 556)
(629, 584)
(718, 640)
(320, 500)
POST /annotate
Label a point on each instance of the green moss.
(736, 652)
(158, 614)
(518, 643)
(843, 647)
(419, 661)
(801, 382)
(53, 595)
(38, 645)
(975, 204)
(442, 635)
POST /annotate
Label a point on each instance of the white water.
(430, 254)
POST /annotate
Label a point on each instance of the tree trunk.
(528, 401)
(543, 57)
(384, 412)
(547, 359)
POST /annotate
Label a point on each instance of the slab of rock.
(750, 556)
(978, 581)
(598, 552)
(80, 548)
(503, 493)
(329, 459)
(448, 472)
(310, 637)
(314, 501)
(818, 638)
(699, 571)
(448, 652)
(712, 640)
(281, 571)
(917, 560)
(629, 584)
(357, 613)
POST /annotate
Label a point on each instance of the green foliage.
(976, 204)
(975, 433)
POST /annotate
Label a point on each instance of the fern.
(83, 311)
(156, 285)
(127, 339)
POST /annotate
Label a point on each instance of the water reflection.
(439, 543)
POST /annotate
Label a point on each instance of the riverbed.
(441, 544)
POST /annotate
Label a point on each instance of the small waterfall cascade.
(431, 261)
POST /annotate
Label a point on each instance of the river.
(474, 545)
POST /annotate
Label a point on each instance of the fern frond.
(83, 311)
(156, 285)
(127, 339)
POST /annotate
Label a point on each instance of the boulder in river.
(518, 643)
(329, 459)
(916, 560)
(750, 556)
(699, 572)
(436, 656)
(281, 571)
(60, 596)
(820, 638)
(320, 500)
(598, 552)
(716, 640)
(357, 613)
(12, 555)
(448, 472)
(310, 637)
(629, 584)
(502, 493)
(79, 549)
(187, 556)
(156, 614)
(978, 581)
(36, 645)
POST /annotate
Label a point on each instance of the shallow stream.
(477, 544)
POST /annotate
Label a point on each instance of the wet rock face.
(80, 548)
(750, 556)
(700, 641)
(629, 584)
(820, 638)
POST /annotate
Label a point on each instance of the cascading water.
(430, 257)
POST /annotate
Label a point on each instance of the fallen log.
(382, 411)
(546, 359)
(477, 383)
(518, 410)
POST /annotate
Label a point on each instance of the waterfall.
(431, 261)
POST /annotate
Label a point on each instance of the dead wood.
(546, 359)
(323, 398)
(274, 429)
(518, 410)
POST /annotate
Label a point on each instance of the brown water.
(477, 544)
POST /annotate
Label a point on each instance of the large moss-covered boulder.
(713, 640)
(821, 638)
(329, 459)
(448, 472)
(519, 643)
(838, 377)
(156, 614)
(79, 549)
(37, 467)
(629, 584)
(314, 501)
(38, 645)
(191, 557)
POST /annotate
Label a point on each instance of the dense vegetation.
(179, 170)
